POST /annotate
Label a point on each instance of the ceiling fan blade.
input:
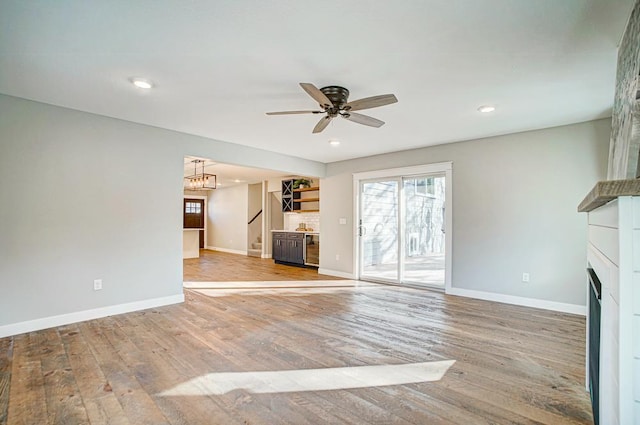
(371, 102)
(322, 124)
(315, 93)
(294, 112)
(363, 119)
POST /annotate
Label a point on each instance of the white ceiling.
(228, 175)
(220, 65)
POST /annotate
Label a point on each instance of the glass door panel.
(378, 229)
(423, 206)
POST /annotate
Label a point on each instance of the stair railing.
(254, 217)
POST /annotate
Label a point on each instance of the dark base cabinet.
(288, 248)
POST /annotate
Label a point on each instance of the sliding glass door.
(402, 229)
(378, 229)
(423, 229)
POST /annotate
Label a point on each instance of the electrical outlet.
(337, 257)
(525, 277)
(97, 284)
(342, 220)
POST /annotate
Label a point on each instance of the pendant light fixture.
(199, 181)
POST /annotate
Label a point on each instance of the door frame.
(205, 212)
(445, 168)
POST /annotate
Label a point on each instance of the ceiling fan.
(333, 101)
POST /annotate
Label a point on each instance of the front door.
(193, 216)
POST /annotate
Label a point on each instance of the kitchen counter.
(313, 232)
(191, 243)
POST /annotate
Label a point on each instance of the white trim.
(436, 167)
(230, 251)
(336, 273)
(448, 227)
(81, 316)
(522, 301)
(266, 256)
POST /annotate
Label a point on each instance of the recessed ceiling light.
(141, 83)
(486, 109)
(334, 142)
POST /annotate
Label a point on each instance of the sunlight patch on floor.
(285, 381)
(279, 287)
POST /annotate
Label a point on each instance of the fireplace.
(595, 291)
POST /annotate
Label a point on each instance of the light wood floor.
(514, 365)
(218, 266)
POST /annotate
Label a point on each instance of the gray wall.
(228, 218)
(514, 208)
(74, 207)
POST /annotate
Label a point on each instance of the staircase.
(256, 248)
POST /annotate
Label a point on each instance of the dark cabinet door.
(279, 247)
(288, 247)
(295, 248)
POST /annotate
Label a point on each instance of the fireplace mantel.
(608, 190)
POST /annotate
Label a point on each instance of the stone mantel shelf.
(608, 190)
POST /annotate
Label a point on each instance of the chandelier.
(199, 181)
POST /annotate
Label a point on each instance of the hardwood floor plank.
(513, 365)
(210, 359)
(166, 365)
(101, 404)
(6, 360)
(136, 403)
(27, 399)
(216, 266)
(64, 403)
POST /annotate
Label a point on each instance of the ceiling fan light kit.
(334, 102)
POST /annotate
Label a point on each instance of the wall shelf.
(293, 198)
(307, 189)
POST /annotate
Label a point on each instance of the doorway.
(193, 216)
(403, 225)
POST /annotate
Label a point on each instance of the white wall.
(514, 208)
(228, 218)
(71, 210)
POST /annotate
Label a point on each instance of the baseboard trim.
(230, 251)
(81, 316)
(266, 255)
(336, 273)
(515, 300)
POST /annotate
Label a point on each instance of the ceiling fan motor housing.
(337, 95)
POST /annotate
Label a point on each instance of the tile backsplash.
(293, 220)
